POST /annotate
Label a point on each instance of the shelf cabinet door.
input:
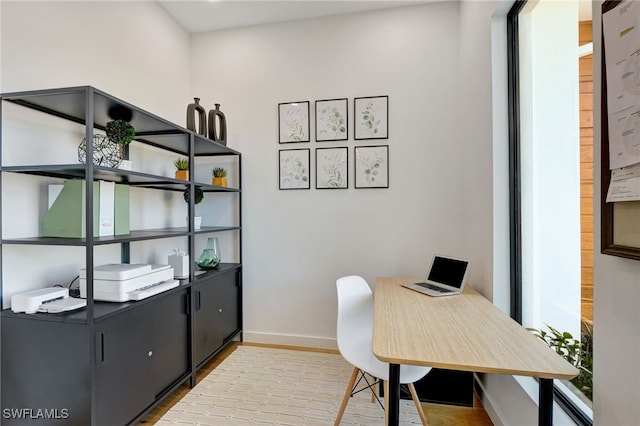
(45, 373)
(124, 381)
(139, 353)
(170, 359)
(216, 312)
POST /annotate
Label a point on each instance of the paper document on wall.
(621, 28)
(624, 185)
(624, 138)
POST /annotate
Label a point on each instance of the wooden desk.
(465, 332)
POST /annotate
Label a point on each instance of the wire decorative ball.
(105, 152)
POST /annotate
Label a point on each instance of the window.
(551, 178)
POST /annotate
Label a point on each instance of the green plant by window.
(219, 172)
(199, 195)
(181, 164)
(578, 353)
(120, 131)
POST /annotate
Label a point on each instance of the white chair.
(355, 342)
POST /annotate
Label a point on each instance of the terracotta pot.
(182, 174)
(219, 181)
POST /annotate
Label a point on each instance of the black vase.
(217, 119)
(192, 109)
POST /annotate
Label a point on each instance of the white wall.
(616, 301)
(476, 140)
(329, 233)
(298, 242)
(132, 50)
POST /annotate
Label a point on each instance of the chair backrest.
(355, 331)
(355, 318)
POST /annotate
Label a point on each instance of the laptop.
(446, 277)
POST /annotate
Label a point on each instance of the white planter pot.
(197, 222)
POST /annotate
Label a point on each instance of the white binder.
(107, 206)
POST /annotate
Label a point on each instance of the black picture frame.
(371, 117)
(294, 171)
(611, 214)
(293, 122)
(332, 120)
(332, 168)
(371, 166)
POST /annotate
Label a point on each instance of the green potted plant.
(219, 176)
(122, 133)
(182, 168)
(199, 196)
(578, 352)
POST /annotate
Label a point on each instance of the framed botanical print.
(293, 122)
(371, 117)
(332, 121)
(294, 168)
(371, 166)
(332, 168)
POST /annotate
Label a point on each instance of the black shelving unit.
(111, 363)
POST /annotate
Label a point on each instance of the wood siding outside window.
(586, 174)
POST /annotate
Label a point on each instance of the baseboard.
(489, 406)
(289, 340)
(514, 400)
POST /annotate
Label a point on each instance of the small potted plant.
(122, 133)
(199, 193)
(219, 176)
(199, 196)
(182, 168)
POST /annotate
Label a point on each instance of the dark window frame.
(515, 216)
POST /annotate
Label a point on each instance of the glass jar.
(210, 257)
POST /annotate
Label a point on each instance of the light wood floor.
(437, 414)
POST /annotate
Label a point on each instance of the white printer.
(120, 282)
(50, 300)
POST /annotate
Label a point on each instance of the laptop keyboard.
(434, 287)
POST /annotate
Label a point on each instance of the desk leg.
(394, 395)
(545, 403)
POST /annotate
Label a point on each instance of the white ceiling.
(203, 15)
(210, 15)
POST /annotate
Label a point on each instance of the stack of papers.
(625, 184)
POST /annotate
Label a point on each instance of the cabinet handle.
(150, 354)
(198, 301)
(100, 346)
(220, 310)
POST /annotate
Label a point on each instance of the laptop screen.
(448, 271)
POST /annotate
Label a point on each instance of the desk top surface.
(464, 332)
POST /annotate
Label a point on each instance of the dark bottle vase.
(192, 109)
(217, 120)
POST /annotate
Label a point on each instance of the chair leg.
(416, 400)
(347, 395)
(374, 388)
